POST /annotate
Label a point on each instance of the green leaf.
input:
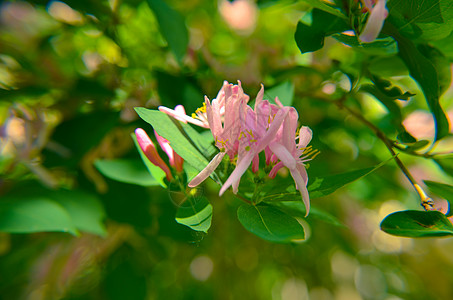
(297, 209)
(284, 92)
(442, 190)
(270, 223)
(153, 170)
(379, 46)
(424, 72)
(427, 19)
(126, 170)
(445, 163)
(178, 139)
(323, 186)
(172, 26)
(326, 7)
(414, 223)
(406, 138)
(85, 210)
(196, 213)
(37, 214)
(310, 34)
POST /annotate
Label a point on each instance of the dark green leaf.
(427, 19)
(324, 186)
(172, 26)
(126, 170)
(417, 146)
(85, 210)
(379, 46)
(270, 223)
(413, 223)
(311, 33)
(37, 214)
(442, 190)
(424, 72)
(297, 209)
(326, 7)
(406, 138)
(196, 213)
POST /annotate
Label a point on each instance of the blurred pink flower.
(377, 15)
(239, 14)
(151, 153)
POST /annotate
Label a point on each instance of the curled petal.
(213, 164)
(284, 155)
(374, 23)
(300, 184)
(178, 115)
(237, 172)
(305, 135)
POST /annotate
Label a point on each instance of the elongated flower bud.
(151, 153)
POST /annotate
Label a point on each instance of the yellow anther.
(247, 148)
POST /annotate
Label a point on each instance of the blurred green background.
(70, 75)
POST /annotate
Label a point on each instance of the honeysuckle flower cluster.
(151, 153)
(243, 132)
(377, 15)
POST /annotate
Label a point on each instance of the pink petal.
(275, 169)
(150, 151)
(374, 23)
(181, 117)
(284, 155)
(302, 188)
(235, 176)
(305, 135)
(213, 164)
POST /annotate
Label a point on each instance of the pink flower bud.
(150, 151)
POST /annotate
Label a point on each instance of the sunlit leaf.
(297, 209)
(37, 214)
(173, 27)
(196, 213)
(126, 170)
(413, 223)
(379, 46)
(445, 163)
(322, 5)
(270, 223)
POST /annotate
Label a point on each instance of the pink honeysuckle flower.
(151, 153)
(378, 14)
(176, 161)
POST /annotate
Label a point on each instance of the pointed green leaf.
(442, 190)
(126, 170)
(34, 214)
(270, 223)
(196, 213)
(424, 71)
(172, 26)
(284, 92)
(178, 139)
(414, 223)
(310, 33)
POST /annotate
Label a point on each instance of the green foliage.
(126, 170)
(270, 223)
(412, 223)
(196, 213)
(172, 26)
(442, 190)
